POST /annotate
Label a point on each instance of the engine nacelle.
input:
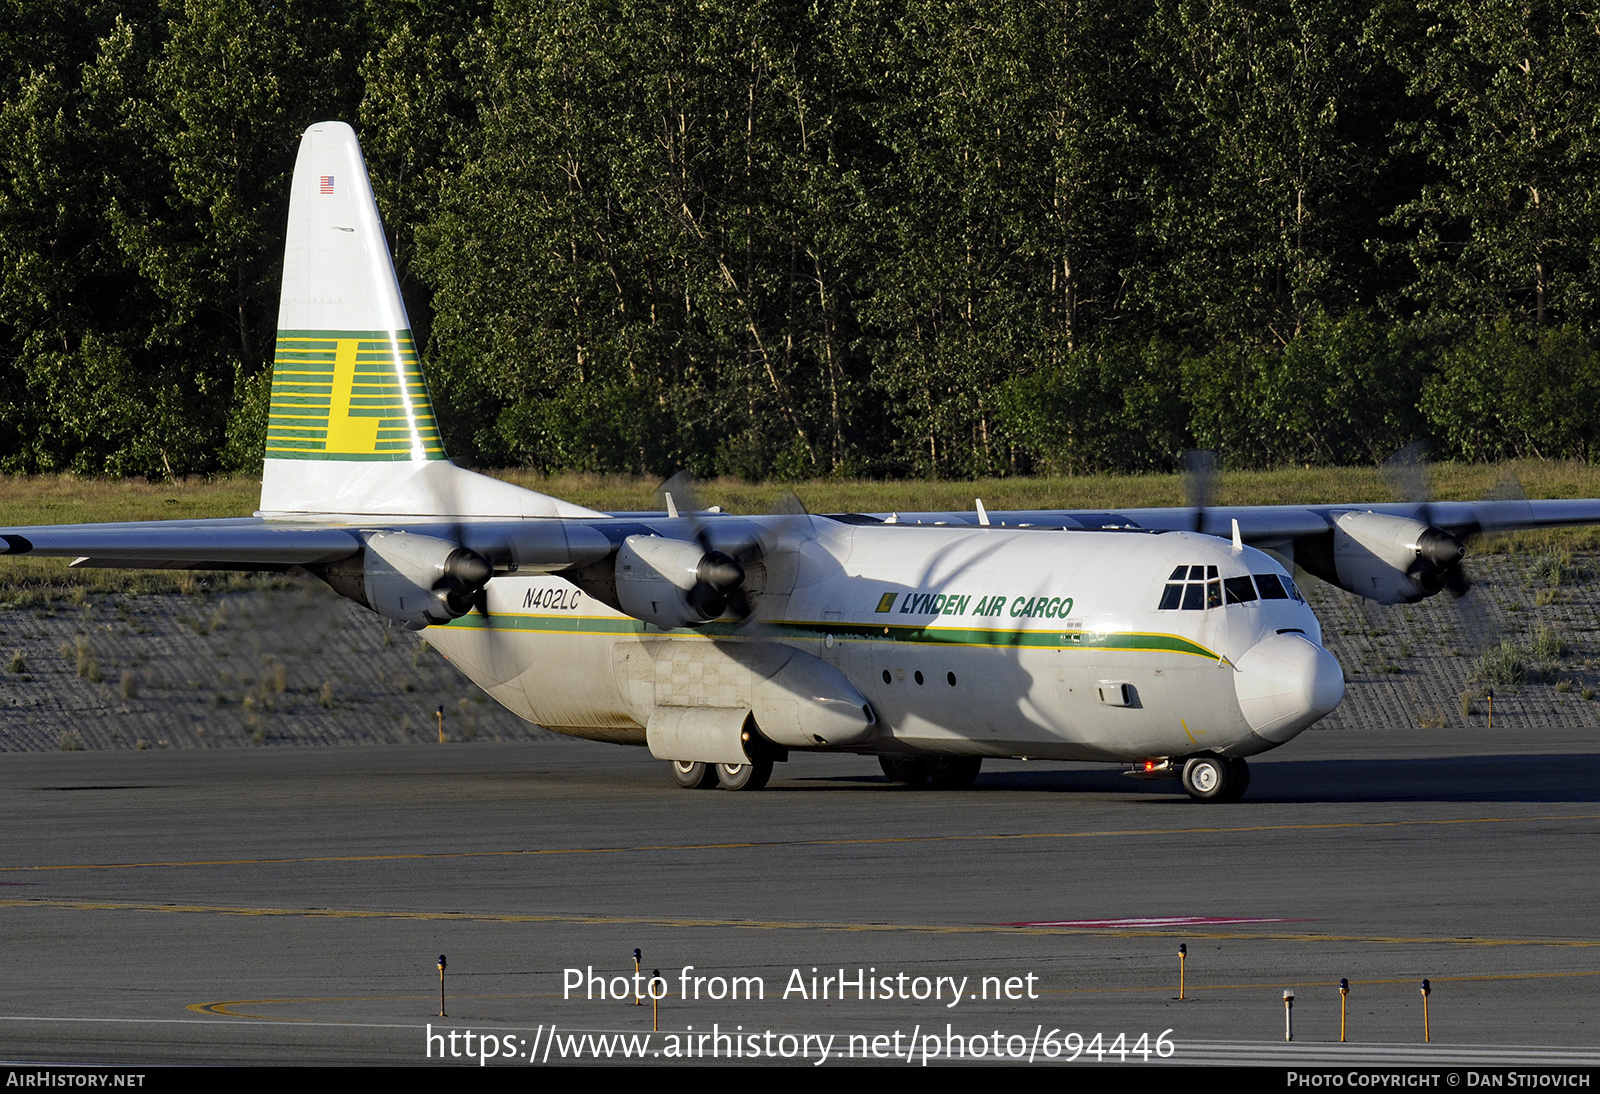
(1393, 560)
(419, 579)
(672, 582)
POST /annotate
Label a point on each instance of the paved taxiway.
(288, 905)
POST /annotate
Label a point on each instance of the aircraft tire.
(694, 776)
(1208, 778)
(750, 776)
(954, 772)
(905, 770)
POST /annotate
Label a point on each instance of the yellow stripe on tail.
(350, 395)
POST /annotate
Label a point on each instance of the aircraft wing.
(1270, 523)
(242, 543)
(1392, 553)
(547, 544)
(252, 543)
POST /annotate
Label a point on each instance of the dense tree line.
(795, 238)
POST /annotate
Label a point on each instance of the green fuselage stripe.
(1126, 641)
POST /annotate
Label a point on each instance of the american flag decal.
(327, 184)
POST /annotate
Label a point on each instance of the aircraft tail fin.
(351, 429)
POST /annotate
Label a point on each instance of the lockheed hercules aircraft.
(1171, 639)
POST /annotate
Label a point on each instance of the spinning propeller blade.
(1199, 483)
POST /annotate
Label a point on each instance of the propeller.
(731, 573)
(1440, 554)
(1507, 512)
(465, 580)
(719, 576)
(466, 572)
(1199, 483)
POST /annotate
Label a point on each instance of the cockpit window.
(1188, 590)
(1198, 588)
(1271, 588)
(1239, 590)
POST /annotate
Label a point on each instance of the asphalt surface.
(289, 905)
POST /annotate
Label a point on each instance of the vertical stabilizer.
(351, 428)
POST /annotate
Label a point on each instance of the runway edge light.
(441, 987)
(1427, 990)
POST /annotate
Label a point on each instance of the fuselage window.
(1240, 590)
(1213, 594)
(1171, 597)
(1194, 597)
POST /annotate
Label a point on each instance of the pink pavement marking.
(1153, 921)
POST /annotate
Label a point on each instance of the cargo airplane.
(1174, 640)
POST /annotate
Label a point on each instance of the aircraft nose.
(1284, 683)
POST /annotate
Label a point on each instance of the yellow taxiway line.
(782, 925)
(998, 837)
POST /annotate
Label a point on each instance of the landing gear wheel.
(1210, 778)
(750, 776)
(905, 770)
(954, 772)
(694, 776)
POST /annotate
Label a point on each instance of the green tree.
(1112, 406)
(635, 268)
(1502, 394)
(1264, 158)
(75, 382)
(1000, 211)
(416, 100)
(1344, 391)
(217, 112)
(1509, 224)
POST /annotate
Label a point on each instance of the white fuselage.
(965, 641)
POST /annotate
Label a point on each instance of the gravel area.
(295, 665)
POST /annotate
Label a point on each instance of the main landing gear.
(1211, 778)
(694, 776)
(698, 776)
(947, 772)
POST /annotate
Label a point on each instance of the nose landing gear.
(1212, 778)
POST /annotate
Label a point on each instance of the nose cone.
(1284, 683)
